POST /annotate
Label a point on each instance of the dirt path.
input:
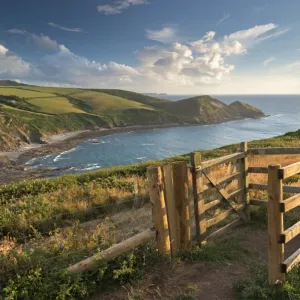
(202, 280)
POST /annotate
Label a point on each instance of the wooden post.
(244, 182)
(275, 225)
(159, 211)
(173, 217)
(181, 196)
(198, 196)
(137, 201)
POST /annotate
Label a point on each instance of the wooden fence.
(169, 187)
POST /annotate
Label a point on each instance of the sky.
(158, 46)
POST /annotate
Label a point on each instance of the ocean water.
(134, 147)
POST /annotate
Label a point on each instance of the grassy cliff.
(30, 113)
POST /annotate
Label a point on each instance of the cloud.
(69, 68)
(54, 25)
(251, 33)
(223, 19)
(268, 60)
(118, 6)
(12, 65)
(200, 62)
(42, 41)
(17, 31)
(203, 62)
(165, 35)
(3, 50)
(274, 34)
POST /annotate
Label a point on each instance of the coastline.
(65, 141)
(13, 162)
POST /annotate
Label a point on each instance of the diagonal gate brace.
(226, 197)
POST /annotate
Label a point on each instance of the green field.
(105, 104)
(54, 105)
(22, 93)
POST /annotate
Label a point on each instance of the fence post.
(275, 225)
(198, 197)
(243, 182)
(181, 196)
(173, 217)
(159, 212)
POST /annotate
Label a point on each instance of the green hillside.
(31, 113)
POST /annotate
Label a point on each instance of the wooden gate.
(200, 170)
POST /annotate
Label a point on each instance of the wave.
(145, 144)
(89, 167)
(30, 161)
(139, 158)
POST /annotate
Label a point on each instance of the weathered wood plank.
(290, 233)
(273, 151)
(181, 196)
(222, 160)
(289, 171)
(212, 204)
(243, 182)
(222, 231)
(197, 180)
(286, 188)
(290, 203)
(222, 181)
(275, 225)
(113, 252)
(290, 262)
(219, 218)
(260, 203)
(159, 210)
(173, 217)
(259, 170)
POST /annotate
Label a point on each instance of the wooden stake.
(198, 196)
(275, 225)
(181, 196)
(244, 182)
(173, 216)
(159, 211)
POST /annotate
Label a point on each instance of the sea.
(139, 146)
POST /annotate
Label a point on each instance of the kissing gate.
(172, 210)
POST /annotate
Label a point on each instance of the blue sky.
(172, 46)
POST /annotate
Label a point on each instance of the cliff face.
(245, 110)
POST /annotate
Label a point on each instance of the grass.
(21, 93)
(54, 105)
(259, 289)
(108, 104)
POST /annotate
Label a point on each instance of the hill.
(30, 113)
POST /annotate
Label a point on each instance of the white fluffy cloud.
(118, 6)
(3, 50)
(65, 66)
(12, 65)
(42, 41)
(201, 61)
(165, 35)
